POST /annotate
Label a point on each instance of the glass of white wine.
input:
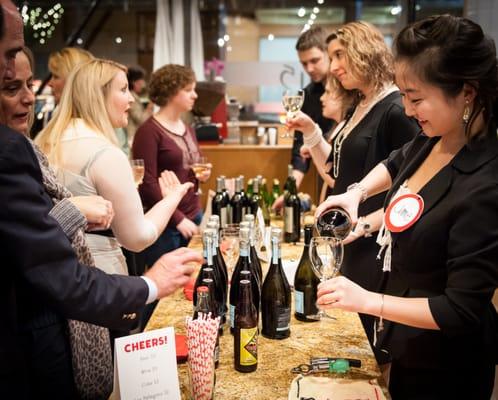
(199, 165)
(293, 100)
(138, 168)
(326, 255)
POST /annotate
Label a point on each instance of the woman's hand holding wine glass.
(292, 101)
(326, 258)
(201, 168)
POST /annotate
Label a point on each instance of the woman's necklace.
(361, 110)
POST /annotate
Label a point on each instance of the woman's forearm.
(378, 180)
(319, 155)
(408, 311)
(162, 211)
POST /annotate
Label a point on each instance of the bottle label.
(299, 301)
(288, 220)
(248, 346)
(223, 217)
(232, 316)
(283, 320)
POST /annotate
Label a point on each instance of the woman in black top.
(361, 61)
(440, 228)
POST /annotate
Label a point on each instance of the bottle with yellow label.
(246, 330)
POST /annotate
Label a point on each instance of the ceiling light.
(301, 12)
(396, 10)
(271, 36)
(221, 42)
(316, 10)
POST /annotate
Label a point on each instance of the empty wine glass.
(326, 258)
(138, 168)
(292, 100)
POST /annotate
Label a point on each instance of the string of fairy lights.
(42, 22)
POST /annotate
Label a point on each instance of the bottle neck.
(275, 251)
(245, 297)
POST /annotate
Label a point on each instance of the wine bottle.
(290, 169)
(218, 295)
(250, 189)
(253, 254)
(276, 295)
(305, 283)
(264, 201)
(292, 212)
(237, 203)
(206, 305)
(219, 203)
(246, 330)
(243, 264)
(226, 199)
(255, 198)
(275, 191)
(334, 222)
(220, 266)
(244, 198)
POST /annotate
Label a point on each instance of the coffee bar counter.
(343, 337)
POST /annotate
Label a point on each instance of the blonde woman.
(361, 61)
(80, 142)
(61, 63)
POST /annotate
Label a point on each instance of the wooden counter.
(341, 338)
(251, 160)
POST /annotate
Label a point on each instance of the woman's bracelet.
(381, 318)
(313, 139)
(361, 188)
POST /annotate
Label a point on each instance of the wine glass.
(138, 168)
(292, 100)
(199, 165)
(326, 258)
(230, 245)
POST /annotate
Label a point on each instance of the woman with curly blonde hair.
(80, 143)
(361, 62)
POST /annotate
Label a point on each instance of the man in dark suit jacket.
(42, 283)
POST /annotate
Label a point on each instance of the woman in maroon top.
(164, 141)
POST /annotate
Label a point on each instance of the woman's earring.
(466, 113)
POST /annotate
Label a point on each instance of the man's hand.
(278, 204)
(97, 211)
(173, 270)
(187, 228)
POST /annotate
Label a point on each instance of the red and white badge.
(403, 212)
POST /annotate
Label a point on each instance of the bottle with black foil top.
(276, 295)
(246, 330)
(219, 204)
(237, 203)
(243, 264)
(292, 212)
(334, 222)
(256, 198)
(244, 198)
(305, 283)
(221, 268)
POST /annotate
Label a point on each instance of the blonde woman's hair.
(367, 54)
(84, 96)
(62, 62)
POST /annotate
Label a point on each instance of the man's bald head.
(11, 38)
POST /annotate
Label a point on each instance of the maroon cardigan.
(156, 146)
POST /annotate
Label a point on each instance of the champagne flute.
(199, 165)
(138, 168)
(293, 101)
(326, 258)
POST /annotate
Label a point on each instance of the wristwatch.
(363, 224)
